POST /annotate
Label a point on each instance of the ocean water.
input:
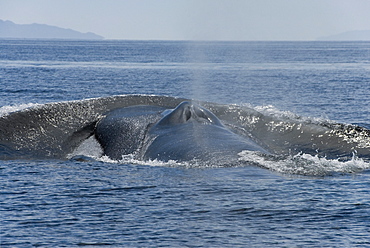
(59, 203)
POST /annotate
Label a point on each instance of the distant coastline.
(10, 30)
(355, 35)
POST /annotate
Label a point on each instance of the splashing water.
(299, 164)
(304, 164)
(5, 110)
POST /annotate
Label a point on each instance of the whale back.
(192, 132)
(55, 130)
(123, 130)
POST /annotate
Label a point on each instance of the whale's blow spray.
(199, 72)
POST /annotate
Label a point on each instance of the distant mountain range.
(9, 29)
(356, 35)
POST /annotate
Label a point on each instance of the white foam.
(5, 110)
(304, 164)
(131, 159)
(270, 110)
(299, 164)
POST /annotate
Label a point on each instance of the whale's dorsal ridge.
(188, 111)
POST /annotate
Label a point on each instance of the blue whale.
(170, 128)
(188, 132)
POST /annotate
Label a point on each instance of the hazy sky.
(195, 19)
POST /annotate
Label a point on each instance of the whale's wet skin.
(173, 129)
(189, 132)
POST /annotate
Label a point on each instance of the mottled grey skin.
(123, 130)
(189, 132)
(149, 128)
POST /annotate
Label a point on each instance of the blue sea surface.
(53, 203)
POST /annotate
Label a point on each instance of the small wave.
(131, 159)
(5, 110)
(300, 164)
(305, 164)
(272, 111)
